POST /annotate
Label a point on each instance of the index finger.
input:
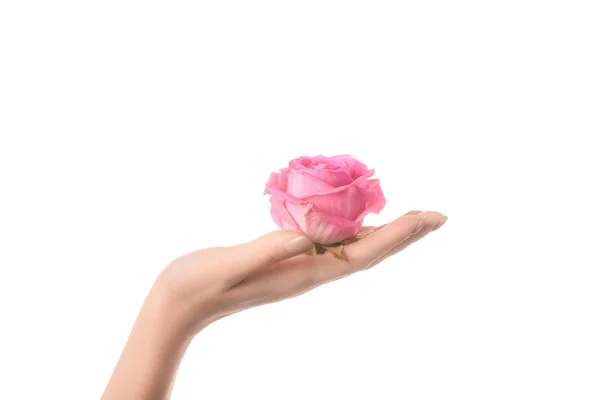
(372, 248)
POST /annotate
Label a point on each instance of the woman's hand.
(206, 285)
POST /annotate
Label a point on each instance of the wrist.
(152, 355)
(181, 315)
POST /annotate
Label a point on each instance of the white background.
(133, 132)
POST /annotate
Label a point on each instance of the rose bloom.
(325, 198)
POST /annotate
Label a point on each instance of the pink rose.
(326, 198)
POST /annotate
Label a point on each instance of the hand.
(206, 285)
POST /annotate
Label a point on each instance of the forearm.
(151, 357)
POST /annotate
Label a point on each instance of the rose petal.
(341, 188)
(283, 178)
(348, 163)
(358, 169)
(281, 215)
(333, 177)
(320, 227)
(272, 183)
(348, 203)
(335, 171)
(375, 200)
(302, 185)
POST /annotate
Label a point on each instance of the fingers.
(433, 221)
(295, 276)
(267, 250)
(414, 212)
(389, 240)
(380, 242)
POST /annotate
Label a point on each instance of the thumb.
(267, 250)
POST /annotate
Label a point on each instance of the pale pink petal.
(333, 177)
(348, 203)
(320, 227)
(354, 167)
(359, 169)
(272, 183)
(300, 162)
(363, 178)
(342, 161)
(284, 197)
(301, 185)
(277, 185)
(281, 215)
(283, 178)
(375, 200)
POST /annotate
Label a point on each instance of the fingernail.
(441, 223)
(299, 245)
(419, 226)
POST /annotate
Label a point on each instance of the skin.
(204, 286)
